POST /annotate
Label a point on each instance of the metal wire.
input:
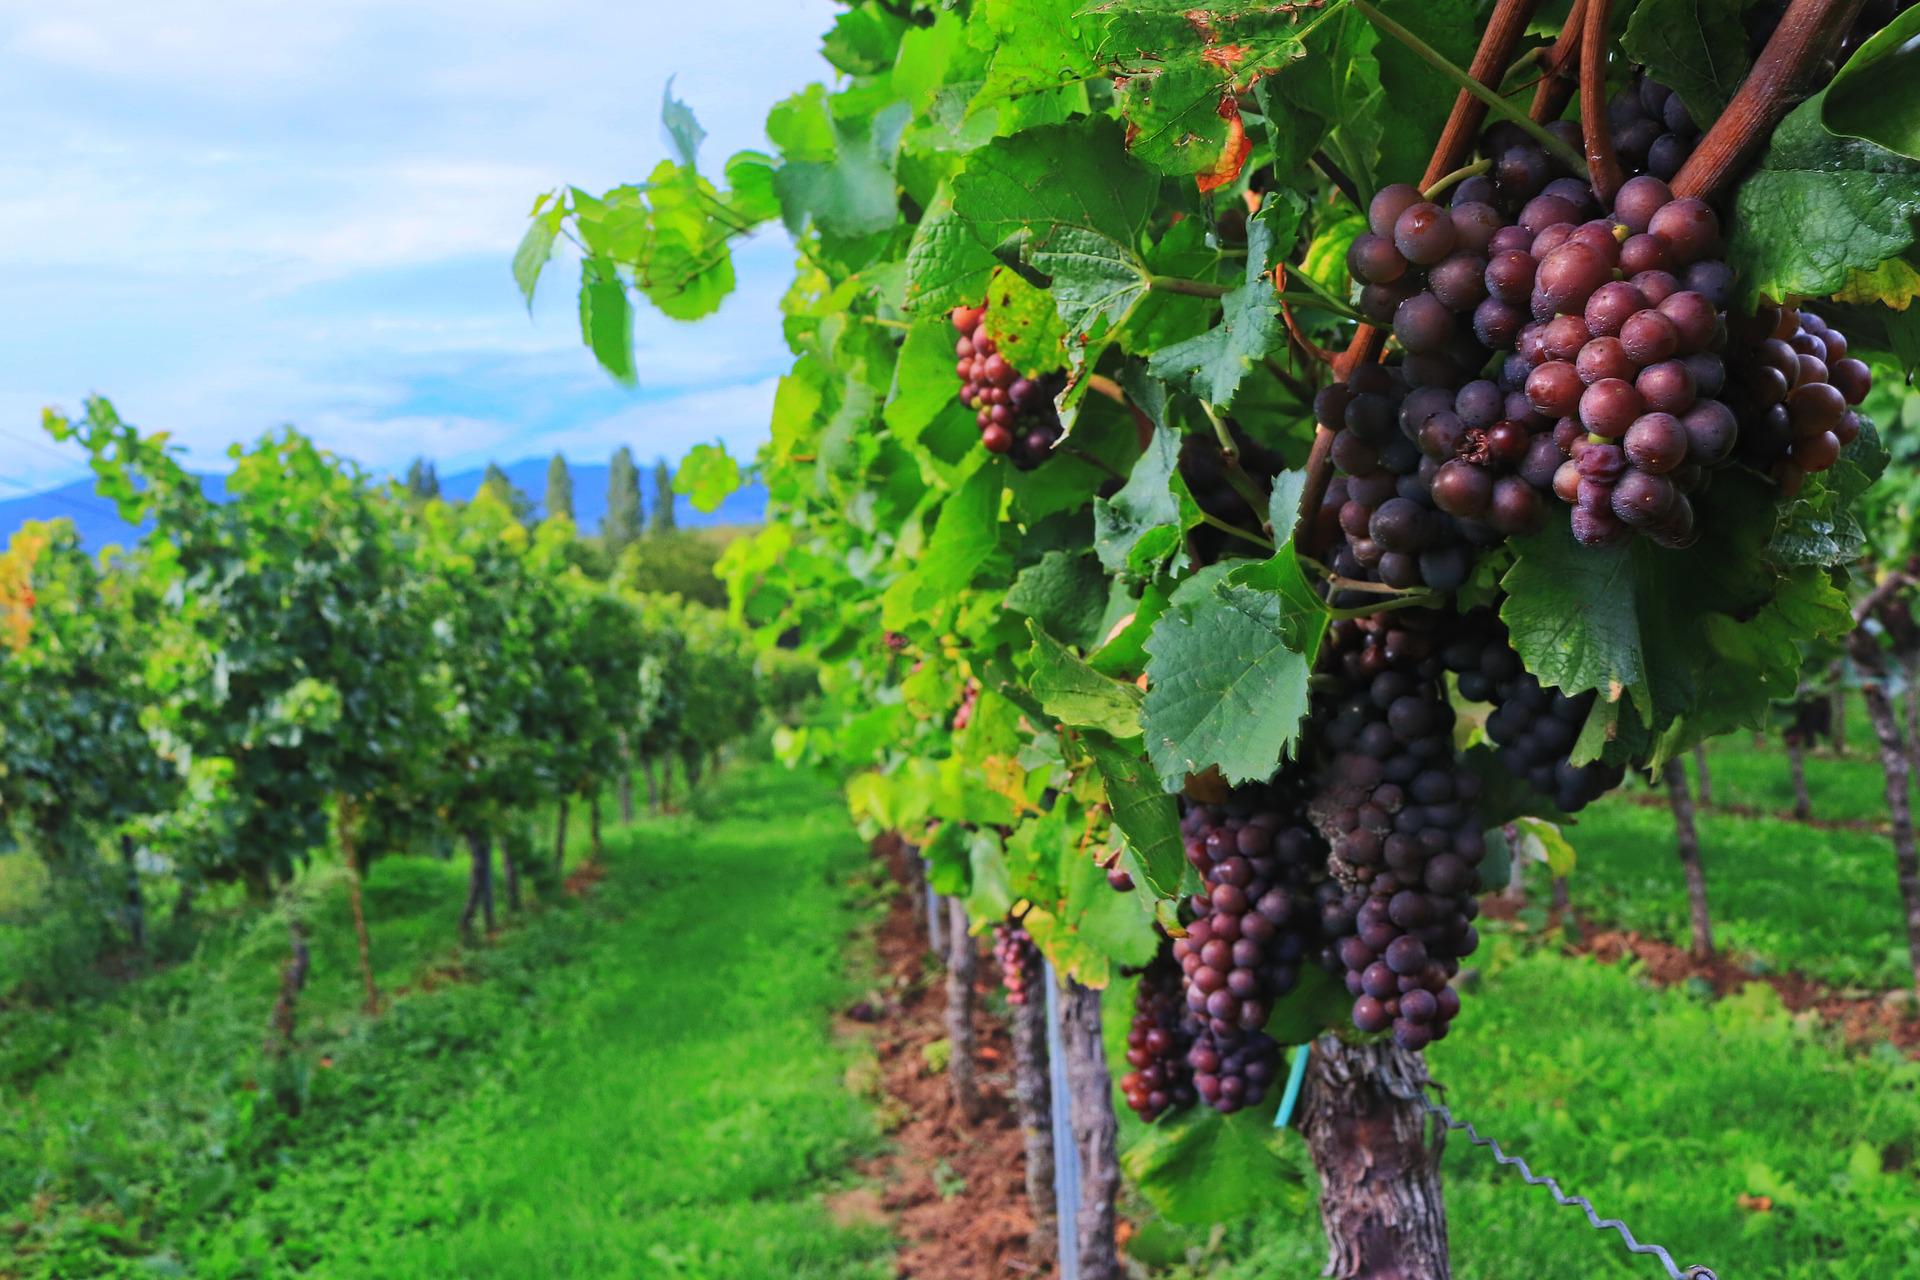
(1440, 1112)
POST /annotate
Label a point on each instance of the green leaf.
(1876, 96)
(949, 859)
(1065, 594)
(606, 317)
(1212, 365)
(1198, 1166)
(966, 532)
(923, 382)
(854, 194)
(1146, 815)
(1543, 841)
(1125, 628)
(1698, 48)
(1820, 208)
(1224, 689)
(706, 476)
(1076, 694)
(1142, 524)
(684, 133)
(947, 266)
(536, 249)
(1571, 611)
(1316, 1004)
(1283, 503)
(1096, 281)
(1415, 102)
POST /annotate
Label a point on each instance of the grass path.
(642, 1083)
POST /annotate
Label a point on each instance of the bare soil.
(954, 1193)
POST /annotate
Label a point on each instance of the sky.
(231, 215)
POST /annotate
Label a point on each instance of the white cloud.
(232, 214)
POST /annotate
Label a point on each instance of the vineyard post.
(1066, 1149)
(560, 838)
(962, 965)
(512, 843)
(1688, 838)
(936, 923)
(1700, 772)
(293, 977)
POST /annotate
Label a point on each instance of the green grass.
(1783, 895)
(640, 1083)
(1664, 1110)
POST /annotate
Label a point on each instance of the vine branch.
(1602, 161)
(1505, 28)
(1786, 69)
(1555, 90)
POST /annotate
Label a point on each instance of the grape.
(1475, 222)
(1019, 960)
(1601, 359)
(1689, 228)
(1462, 489)
(1459, 281)
(1610, 307)
(1015, 414)
(1610, 406)
(1555, 389)
(1791, 405)
(1423, 324)
(1158, 1042)
(1388, 204)
(1373, 260)
(1649, 337)
(1667, 387)
(1641, 498)
(1424, 233)
(1397, 811)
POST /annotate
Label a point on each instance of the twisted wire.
(1440, 1112)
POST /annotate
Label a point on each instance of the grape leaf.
(966, 532)
(706, 476)
(683, 130)
(947, 266)
(1337, 85)
(1876, 96)
(1096, 282)
(1075, 694)
(923, 381)
(1198, 1166)
(1141, 525)
(1698, 48)
(1123, 650)
(1820, 207)
(536, 248)
(1146, 815)
(606, 317)
(1415, 102)
(1212, 365)
(854, 193)
(1065, 594)
(1283, 503)
(1077, 178)
(1223, 687)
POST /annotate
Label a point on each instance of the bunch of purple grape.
(1019, 961)
(1399, 810)
(1160, 1079)
(1233, 1070)
(1532, 726)
(1257, 921)
(1015, 413)
(1797, 388)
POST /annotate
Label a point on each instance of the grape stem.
(1602, 161)
(1808, 35)
(1555, 90)
(1338, 177)
(1497, 104)
(1190, 288)
(1448, 180)
(1236, 474)
(1339, 583)
(1224, 526)
(1090, 460)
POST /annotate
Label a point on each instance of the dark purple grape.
(1655, 444)
(1388, 204)
(1609, 407)
(1424, 234)
(1689, 227)
(1462, 489)
(1555, 389)
(1640, 499)
(1373, 260)
(1423, 324)
(1649, 337)
(1667, 387)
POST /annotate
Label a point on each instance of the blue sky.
(227, 215)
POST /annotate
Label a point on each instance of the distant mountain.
(98, 523)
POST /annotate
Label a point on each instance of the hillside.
(98, 524)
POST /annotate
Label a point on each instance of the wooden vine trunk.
(1797, 770)
(560, 839)
(962, 964)
(1688, 839)
(136, 904)
(1700, 773)
(293, 978)
(1033, 1104)
(1894, 763)
(350, 856)
(624, 785)
(1380, 1193)
(1090, 1104)
(479, 883)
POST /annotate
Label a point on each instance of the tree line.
(322, 665)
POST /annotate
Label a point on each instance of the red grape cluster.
(1019, 960)
(969, 698)
(1399, 810)
(1257, 921)
(1652, 130)
(1015, 412)
(1797, 388)
(1157, 1043)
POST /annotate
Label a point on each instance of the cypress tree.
(620, 527)
(422, 481)
(559, 488)
(496, 483)
(662, 498)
